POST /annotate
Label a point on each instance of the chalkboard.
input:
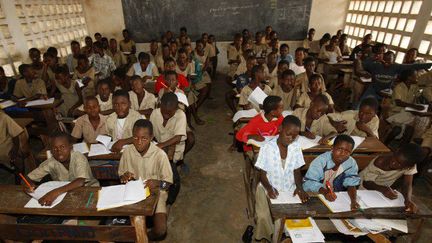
(148, 19)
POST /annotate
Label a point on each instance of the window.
(392, 22)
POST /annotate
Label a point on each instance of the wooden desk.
(23, 122)
(316, 209)
(73, 205)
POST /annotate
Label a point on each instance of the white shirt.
(120, 125)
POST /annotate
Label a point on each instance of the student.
(185, 66)
(315, 89)
(170, 65)
(72, 59)
(367, 40)
(268, 31)
(297, 64)
(105, 44)
(363, 122)
(302, 80)
(120, 80)
(90, 125)
(308, 41)
(169, 125)
(202, 81)
(271, 69)
(143, 68)
(102, 63)
(128, 47)
(257, 78)
(384, 170)
(97, 36)
(264, 124)
(336, 168)
(64, 165)
(233, 54)
(143, 159)
(173, 48)
(331, 52)
(119, 124)
(87, 74)
(184, 35)
(120, 60)
(29, 86)
(7, 85)
(37, 64)
(343, 46)
(50, 62)
(214, 59)
(69, 90)
(88, 48)
(13, 141)
(260, 47)
(284, 54)
(279, 163)
(163, 57)
(404, 95)
(359, 72)
(154, 51)
(286, 89)
(104, 97)
(141, 100)
(314, 120)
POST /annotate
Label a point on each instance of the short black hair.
(74, 42)
(287, 73)
(250, 58)
(120, 72)
(104, 39)
(291, 120)
(405, 74)
(315, 77)
(412, 153)
(183, 29)
(255, 69)
(142, 56)
(135, 77)
(34, 49)
(181, 50)
(169, 100)
(311, 29)
(308, 60)
(170, 72)
(321, 98)
(98, 44)
(60, 134)
(371, 102)
(62, 70)
(143, 123)
(271, 103)
(121, 93)
(52, 50)
(23, 68)
(283, 62)
(300, 49)
(169, 59)
(284, 45)
(82, 57)
(90, 97)
(106, 81)
(344, 138)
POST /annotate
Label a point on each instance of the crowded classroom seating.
(323, 129)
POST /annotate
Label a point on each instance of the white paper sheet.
(398, 224)
(120, 195)
(375, 199)
(182, 98)
(244, 114)
(6, 104)
(105, 140)
(306, 143)
(366, 80)
(80, 83)
(81, 147)
(425, 108)
(257, 96)
(258, 143)
(40, 102)
(313, 234)
(286, 113)
(286, 198)
(98, 149)
(342, 228)
(341, 204)
(42, 190)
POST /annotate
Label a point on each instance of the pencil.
(89, 199)
(25, 180)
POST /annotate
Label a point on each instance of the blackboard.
(148, 19)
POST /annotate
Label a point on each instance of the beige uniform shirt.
(427, 138)
(307, 43)
(189, 70)
(304, 100)
(320, 127)
(89, 90)
(288, 99)
(149, 101)
(126, 46)
(103, 105)
(403, 93)
(112, 127)
(302, 81)
(233, 54)
(176, 126)
(84, 128)
(247, 91)
(69, 96)
(118, 57)
(23, 89)
(351, 117)
(78, 168)
(8, 130)
(154, 164)
(259, 49)
(382, 177)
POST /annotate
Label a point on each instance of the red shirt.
(160, 82)
(258, 126)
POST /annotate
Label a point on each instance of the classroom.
(215, 121)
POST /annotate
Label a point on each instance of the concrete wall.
(327, 16)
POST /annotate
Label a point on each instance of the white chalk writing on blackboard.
(231, 10)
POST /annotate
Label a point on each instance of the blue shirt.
(242, 81)
(270, 161)
(289, 58)
(314, 178)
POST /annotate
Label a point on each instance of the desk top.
(369, 145)
(23, 122)
(344, 62)
(13, 200)
(316, 209)
(56, 103)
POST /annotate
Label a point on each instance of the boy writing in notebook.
(119, 124)
(279, 162)
(147, 161)
(384, 170)
(64, 165)
(334, 171)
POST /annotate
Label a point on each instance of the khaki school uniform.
(272, 76)
(189, 70)
(160, 62)
(191, 97)
(9, 129)
(83, 128)
(304, 100)
(288, 99)
(149, 101)
(23, 89)
(118, 57)
(69, 96)
(260, 49)
(127, 47)
(241, 68)
(209, 51)
(302, 81)
(38, 72)
(115, 131)
(247, 91)
(307, 43)
(320, 127)
(89, 90)
(78, 168)
(154, 164)
(314, 47)
(176, 126)
(233, 54)
(205, 79)
(382, 177)
(397, 114)
(103, 105)
(351, 117)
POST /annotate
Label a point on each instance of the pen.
(259, 132)
(89, 199)
(329, 187)
(25, 180)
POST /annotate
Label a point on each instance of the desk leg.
(380, 238)
(140, 228)
(416, 235)
(279, 231)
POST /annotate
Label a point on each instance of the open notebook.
(303, 230)
(286, 198)
(121, 195)
(43, 189)
(103, 147)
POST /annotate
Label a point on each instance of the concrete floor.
(211, 206)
